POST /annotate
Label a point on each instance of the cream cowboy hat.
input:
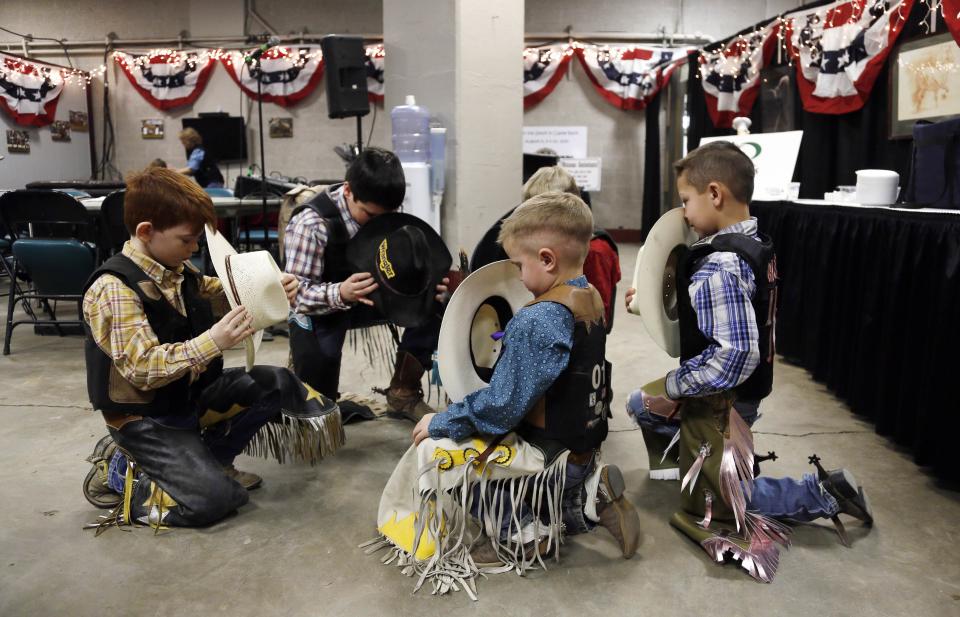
(253, 280)
(655, 279)
(480, 307)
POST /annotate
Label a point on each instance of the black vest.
(107, 388)
(208, 172)
(575, 408)
(335, 266)
(760, 256)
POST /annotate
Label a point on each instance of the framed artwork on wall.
(924, 83)
(151, 129)
(60, 130)
(281, 127)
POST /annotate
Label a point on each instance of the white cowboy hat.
(655, 279)
(482, 305)
(253, 280)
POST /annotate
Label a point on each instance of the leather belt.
(117, 420)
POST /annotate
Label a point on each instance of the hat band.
(233, 284)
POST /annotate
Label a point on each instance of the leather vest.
(335, 266)
(574, 411)
(107, 388)
(759, 255)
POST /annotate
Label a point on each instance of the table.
(226, 207)
(869, 304)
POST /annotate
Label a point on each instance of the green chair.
(53, 255)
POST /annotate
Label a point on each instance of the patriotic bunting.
(731, 76)
(840, 48)
(167, 78)
(543, 68)
(628, 77)
(375, 73)
(950, 9)
(287, 75)
(29, 91)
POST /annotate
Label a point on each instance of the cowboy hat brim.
(482, 305)
(219, 249)
(403, 310)
(655, 279)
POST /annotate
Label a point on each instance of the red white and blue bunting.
(29, 91)
(731, 75)
(840, 48)
(167, 79)
(543, 68)
(629, 77)
(375, 73)
(287, 74)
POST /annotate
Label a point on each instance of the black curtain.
(868, 304)
(651, 166)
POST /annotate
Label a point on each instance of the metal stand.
(359, 134)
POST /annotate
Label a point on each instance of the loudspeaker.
(346, 66)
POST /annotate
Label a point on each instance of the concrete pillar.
(461, 59)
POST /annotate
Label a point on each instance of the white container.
(411, 132)
(877, 187)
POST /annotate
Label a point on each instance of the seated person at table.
(200, 164)
(176, 418)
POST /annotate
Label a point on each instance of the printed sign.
(562, 141)
(774, 155)
(585, 171)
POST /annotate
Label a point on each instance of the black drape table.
(869, 304)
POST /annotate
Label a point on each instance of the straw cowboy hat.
(407, 259)
(477, 312)
(253, 280)
(655, 279)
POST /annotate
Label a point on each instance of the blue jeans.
(317, 352)
(774, 497)
(748, 410)
(802, 500)
(572, 502)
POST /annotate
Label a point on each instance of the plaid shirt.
(305, 239)
(120, 328)
(721, 291)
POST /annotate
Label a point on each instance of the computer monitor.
(224, 136)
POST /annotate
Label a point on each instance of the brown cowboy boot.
(405, 394)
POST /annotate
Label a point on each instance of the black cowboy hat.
(407, 259)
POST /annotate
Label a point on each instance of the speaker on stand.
(345, 62)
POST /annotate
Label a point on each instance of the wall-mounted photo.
(18, 141)
(78, 121)
(151, 129)
(60, 130)
(924, 83)
(281, 127)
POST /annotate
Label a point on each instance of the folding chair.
(113, 233)
(53, 255)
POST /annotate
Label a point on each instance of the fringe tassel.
(736, 467)
(446, 515)
(298, 439)
(377, 344)
(694, 472)
(762, 558)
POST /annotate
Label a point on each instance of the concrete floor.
(292, 550)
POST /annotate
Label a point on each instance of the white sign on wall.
(565, 141)
(585, 171)
(773, 154)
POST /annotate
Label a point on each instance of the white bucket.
(877, 187)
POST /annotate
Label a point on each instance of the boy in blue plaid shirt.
(726, 290)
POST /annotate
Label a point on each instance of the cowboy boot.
(405, 394)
